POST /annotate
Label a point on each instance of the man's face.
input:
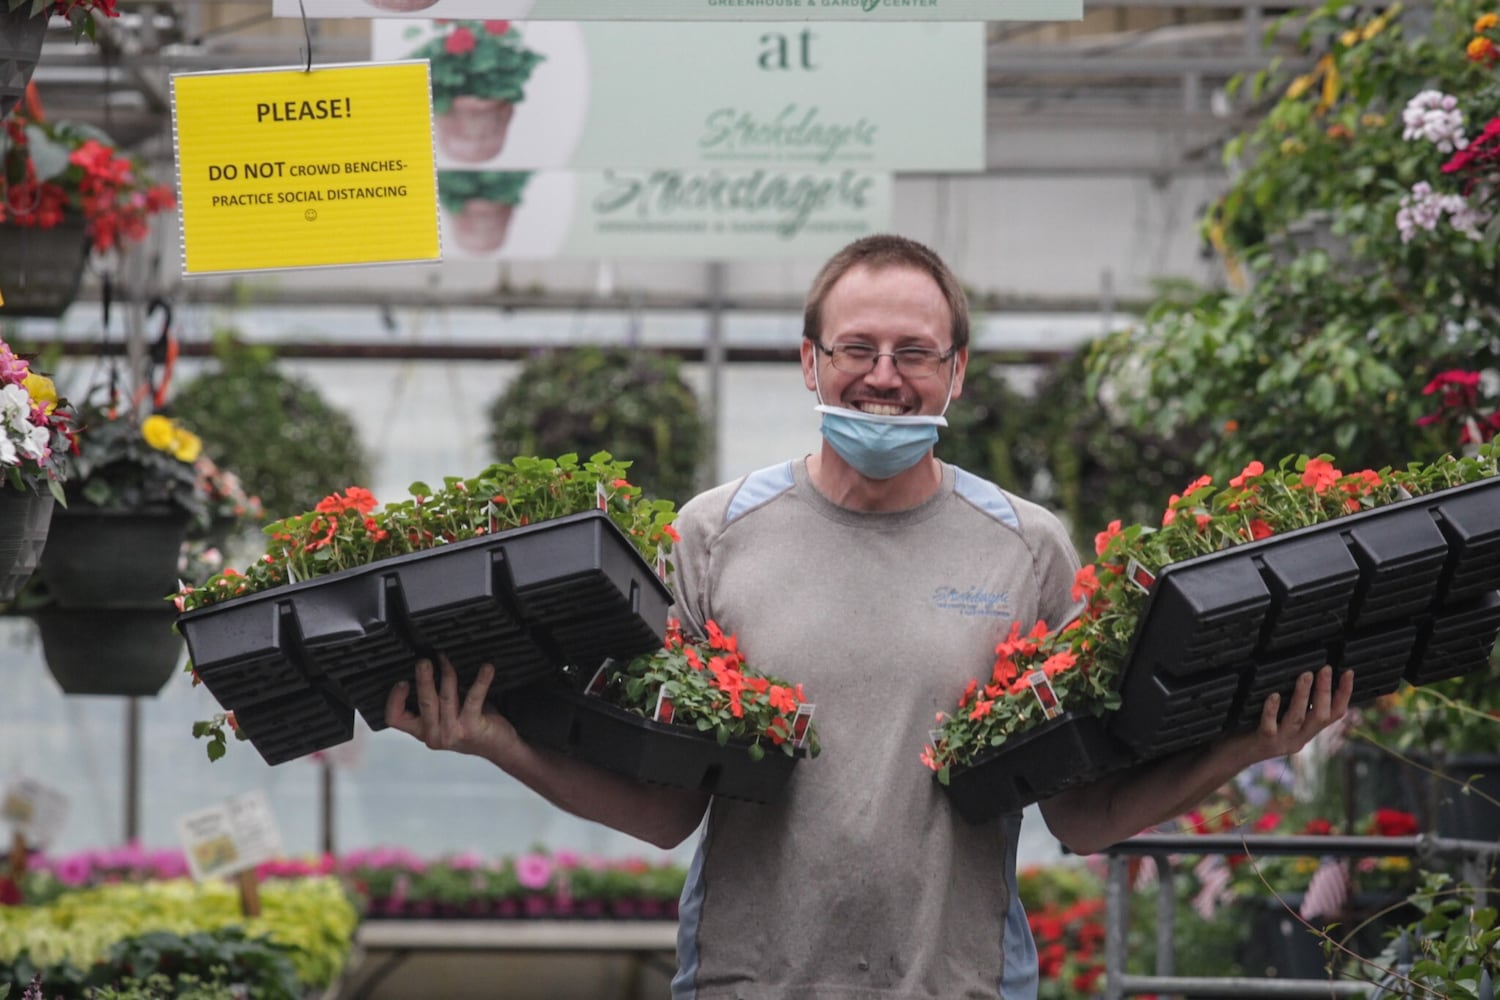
(887, 309)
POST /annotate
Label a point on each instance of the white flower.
(1435, 116)
(1424, 208)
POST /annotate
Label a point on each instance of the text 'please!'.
(293, 111)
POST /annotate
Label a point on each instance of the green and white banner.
(593, 96)
(694, 213)
(695, 10)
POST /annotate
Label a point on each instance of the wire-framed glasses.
(861, 359)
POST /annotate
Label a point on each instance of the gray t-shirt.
(861, 881)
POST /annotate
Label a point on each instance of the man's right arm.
(657, 814)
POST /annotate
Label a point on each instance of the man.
(838, 570)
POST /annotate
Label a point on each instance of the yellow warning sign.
(288, 168)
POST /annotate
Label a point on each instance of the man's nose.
(884, 373)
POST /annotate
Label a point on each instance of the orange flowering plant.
(1081, 662)
(711, 688)
(346, 530)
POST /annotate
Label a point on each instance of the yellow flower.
(1300, 86)
(41, 389)
(1350, 38)
(1291, 147)
(1372, 120)
(158, 432)
(187, 446)
(1485, 22)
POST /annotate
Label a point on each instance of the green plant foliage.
(1058, 446)
(1347, 326)
(504, 187)
(629, 402)
(288, 445)
(110, 934)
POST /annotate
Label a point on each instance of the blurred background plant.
(589, 399)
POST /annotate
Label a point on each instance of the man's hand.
(443, 723)
(1313, 705)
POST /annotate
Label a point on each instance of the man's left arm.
(1091, 817)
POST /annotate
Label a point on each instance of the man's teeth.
(881, 409)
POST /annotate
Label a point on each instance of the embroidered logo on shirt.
(971, 601)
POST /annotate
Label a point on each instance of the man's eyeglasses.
(861, 359)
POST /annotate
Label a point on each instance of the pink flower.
(533, 871)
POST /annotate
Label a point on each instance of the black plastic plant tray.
(1058, 754)
(295, 725)
(1252, 617)
(591, 729)
(1458, 640)
(528, 600)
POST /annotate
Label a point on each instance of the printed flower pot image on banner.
(1065, 751)
(106, 558)
(473, 130)
(529, 600)
(591, 729)
(24, 521)
(127, 652)
(1404, 591)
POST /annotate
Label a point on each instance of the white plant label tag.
(663, 711)
(801, 722)
(1139, 575)
(231, 837)
(34, 810)
(1046, 694)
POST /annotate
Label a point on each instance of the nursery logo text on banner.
(702, 10)
(285, 168)
(646, 95)
(725, 214)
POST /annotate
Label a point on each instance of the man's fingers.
(396, 714)
(474, 699)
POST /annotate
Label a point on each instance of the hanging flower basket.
(24, 520)
(124, 652)
(42, 268)
(572, 590)
(21, 37)
(113, 558)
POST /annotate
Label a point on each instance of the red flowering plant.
(54, 171)
(1065, 910)
(706, 684)
(1468, 405)
(1081, 661)
(346, 530)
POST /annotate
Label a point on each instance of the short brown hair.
(881, 251)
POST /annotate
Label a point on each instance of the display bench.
(387, 945)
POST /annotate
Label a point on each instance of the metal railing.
(1471, 859)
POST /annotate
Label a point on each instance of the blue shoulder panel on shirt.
(758, 487)
(986, 496)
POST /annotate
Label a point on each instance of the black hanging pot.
(104, 558)
(43, 268)
(21, 37)
(24, 519)
(110, 651)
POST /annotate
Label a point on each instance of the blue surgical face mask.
(876, 446)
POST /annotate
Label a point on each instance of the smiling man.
(881, 578)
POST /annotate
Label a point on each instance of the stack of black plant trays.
(296, 662)
(1408, 591)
